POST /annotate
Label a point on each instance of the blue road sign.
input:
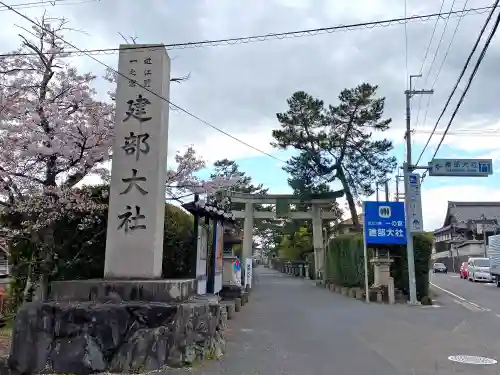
(384, 223)
(461, 167)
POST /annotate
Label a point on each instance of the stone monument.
(131, 320)
(134, 241)
(382, 274)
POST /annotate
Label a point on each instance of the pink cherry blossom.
(54, 131)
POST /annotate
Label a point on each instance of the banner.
(248, 272)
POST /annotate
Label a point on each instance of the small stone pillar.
(301, 270)
(382, 274)
(306, 271)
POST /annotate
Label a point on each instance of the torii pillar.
(318, 243)
(247, 232)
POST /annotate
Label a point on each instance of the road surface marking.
(472, 359)
(480, 307)
(454, 276)
(474, 305)
(463, 324)
(468, 306)
(447, 291)
(498, 315)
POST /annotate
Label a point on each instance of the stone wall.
(88, 337)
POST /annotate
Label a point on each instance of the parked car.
(478, 269)
(464, 270)
(440, 267)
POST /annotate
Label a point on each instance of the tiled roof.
(349, 221)
(464, 211)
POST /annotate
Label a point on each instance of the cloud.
(435, 200)
(240, 88)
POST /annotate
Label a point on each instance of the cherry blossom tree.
(54, 131)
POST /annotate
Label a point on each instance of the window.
(482, 262)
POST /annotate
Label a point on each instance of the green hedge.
(80, 252)
(345, 263)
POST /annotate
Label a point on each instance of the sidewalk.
(291, 327)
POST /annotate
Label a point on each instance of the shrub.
(345, 263)
(79, 253)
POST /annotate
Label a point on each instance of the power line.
(474, 48)
(466, 132)
(430, 41)
(434, 60)
(145, 88)
(45, 3)
(449, 47)
(442, 64)
(283, 35)
(469, 82)
(425, 59)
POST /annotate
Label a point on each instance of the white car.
(479, 269)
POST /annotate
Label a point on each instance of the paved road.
(482, 295)
(291, 327)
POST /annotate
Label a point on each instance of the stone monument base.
(230, 292)
(87, 337)
(117, 326)
(161, 290)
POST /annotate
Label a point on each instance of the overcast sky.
(239, 88)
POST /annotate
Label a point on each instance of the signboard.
(201, 259)
(219, 248)
(384, 223)
(219, 258)
(415, 204)
(461, 167)
(248, 272)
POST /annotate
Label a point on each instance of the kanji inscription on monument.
(134, 243)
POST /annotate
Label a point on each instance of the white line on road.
(447, 291)
(468, 306)
(473, 305)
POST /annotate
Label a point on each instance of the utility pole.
(408, 168)
(386, 184)
(397, 188)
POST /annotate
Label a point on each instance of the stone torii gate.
(282, 202)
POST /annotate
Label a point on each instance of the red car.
(464, 270)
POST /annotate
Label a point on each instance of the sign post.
(384, 224)
(410, 253)
(415, 216)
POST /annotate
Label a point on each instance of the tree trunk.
(42, 290)
(350, 199)
(29, 283)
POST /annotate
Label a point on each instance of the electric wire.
(274, 36)
(145, 88)
(469, 83)
(466, 65)
(443, 32)
(47, 3)
(431, 39)
(429, 99)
